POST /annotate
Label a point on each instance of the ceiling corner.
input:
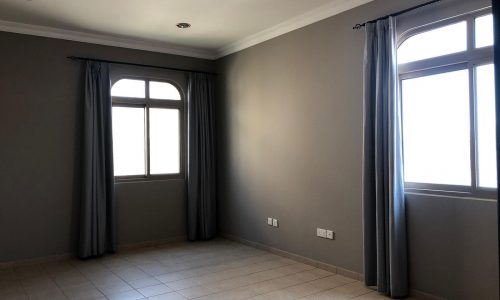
(333, 8)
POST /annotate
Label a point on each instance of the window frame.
(466, 60)
(147, 103)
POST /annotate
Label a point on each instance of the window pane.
(164, 141)
(484, 31)
(163, 90)
(486, 149)
(441, 41)
(436, 126)
(128, 141)
(129, 88)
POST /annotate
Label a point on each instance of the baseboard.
(67, 256)
(296, 257)
(154, 243)
(178, 239)
(36, 260)
(318, 264)
(424, 296)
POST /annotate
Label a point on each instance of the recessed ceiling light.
(183, 25)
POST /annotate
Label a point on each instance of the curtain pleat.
(97, 229)
(201, 204)
(384, 217)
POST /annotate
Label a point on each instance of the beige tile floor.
(219, 269)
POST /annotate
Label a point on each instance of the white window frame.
(147, 103)
(466, 60)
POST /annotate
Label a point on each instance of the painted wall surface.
(290, 146)
(289, 123)
(40, 133)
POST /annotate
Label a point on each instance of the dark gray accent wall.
(290, 142)
(40, 111)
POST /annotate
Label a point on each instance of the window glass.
(484, 31)
(164, 141)
(163, 90)
(437, 42)
(486, 148)
(128, 141)
(436, 129)
(129, 88)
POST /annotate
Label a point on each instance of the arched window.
(147, 128)
(448, 106)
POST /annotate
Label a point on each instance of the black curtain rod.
(137, 65)
(358, 26)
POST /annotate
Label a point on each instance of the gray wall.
(290, 144)
(289, 124)
(40, 112)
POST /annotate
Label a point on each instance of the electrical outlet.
(275, 223)
(270, 221)
(329, 234)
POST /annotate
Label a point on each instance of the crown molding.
(100, 39)
(315, 15)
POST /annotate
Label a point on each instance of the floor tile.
(114, 288)
(144, 282)
(197, 291)
(214, 270)
(168, 296)
(130, 295)
(83, 292)
(154, 290)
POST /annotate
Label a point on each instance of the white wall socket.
(275, 223)
(325, 233)
(270, 221)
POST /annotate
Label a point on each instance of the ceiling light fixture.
(183, 25)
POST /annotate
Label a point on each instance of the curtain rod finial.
(358, 26)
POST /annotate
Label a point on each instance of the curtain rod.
(137, 65)
(358, 26)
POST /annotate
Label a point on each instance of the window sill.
(483, 195)
(137, 179)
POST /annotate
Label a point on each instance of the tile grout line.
(204, 285)
(330, 289)
(300, 284)
(220, 271)
(303, 271)
(154, 276)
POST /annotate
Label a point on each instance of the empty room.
(249, 149)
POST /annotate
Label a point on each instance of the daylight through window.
(448, 106)
(147, 118)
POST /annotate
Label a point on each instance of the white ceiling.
(219, 27)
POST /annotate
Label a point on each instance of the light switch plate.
(321, 232)
(329, 234)
(270, 221)
(275, 223)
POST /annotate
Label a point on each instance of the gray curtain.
(384, 220)
(201, 158)
(97, 230)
